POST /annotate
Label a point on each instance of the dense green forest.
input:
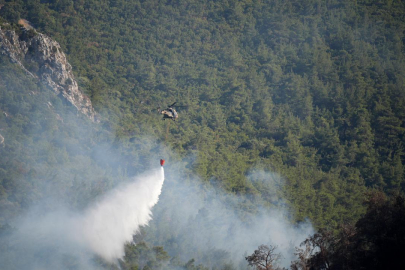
(313, 91)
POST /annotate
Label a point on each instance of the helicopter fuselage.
(169, 113)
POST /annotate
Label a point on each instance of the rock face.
(47, 63)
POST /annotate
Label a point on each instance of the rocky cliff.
(42, 58)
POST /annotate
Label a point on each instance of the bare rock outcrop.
(48, 64)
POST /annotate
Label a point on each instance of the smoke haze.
(217, 228)
(194, 219)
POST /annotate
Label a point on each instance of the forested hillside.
(313, 91)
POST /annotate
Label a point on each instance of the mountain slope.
(312, 91)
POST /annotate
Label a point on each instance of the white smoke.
(51, 239)
(217, 228)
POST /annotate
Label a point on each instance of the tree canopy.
(310, 90)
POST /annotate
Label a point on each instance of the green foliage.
(311, 90)
(140, 256)
(302, 85)
(375, 242)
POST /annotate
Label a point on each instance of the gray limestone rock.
(53, 68)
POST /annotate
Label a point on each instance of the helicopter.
(170, 112)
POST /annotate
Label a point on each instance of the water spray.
(112, 221)
(102, 229)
